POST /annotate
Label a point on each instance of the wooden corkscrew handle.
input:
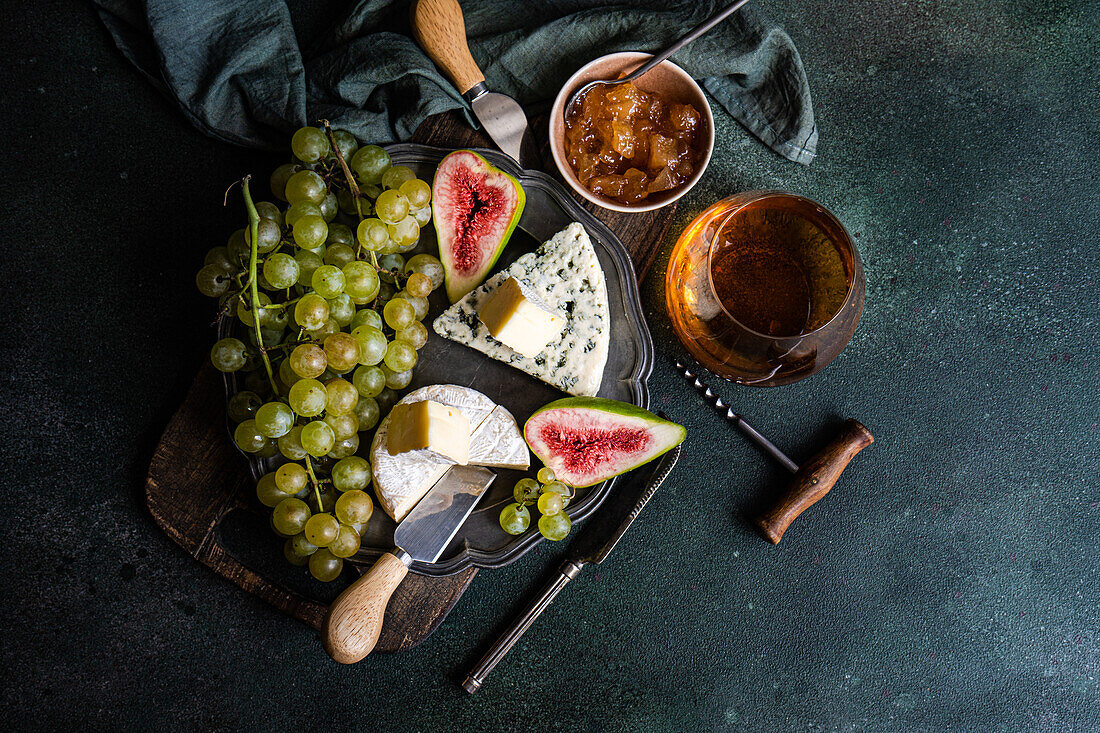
(440, 30)
(814, 479)
(354, 619)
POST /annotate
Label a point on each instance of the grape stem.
(316, 483)
(253, 260)
(351, 182)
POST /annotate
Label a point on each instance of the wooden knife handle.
(440, 30)
(814, 479)
(354, 619)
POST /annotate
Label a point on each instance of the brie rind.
(565, 274)
(497, 443)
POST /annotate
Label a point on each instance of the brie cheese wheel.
(565, 275)
(402, 480)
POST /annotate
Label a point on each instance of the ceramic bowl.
(667, 80)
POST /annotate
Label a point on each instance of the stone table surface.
(950, 583)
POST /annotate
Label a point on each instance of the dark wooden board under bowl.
(198, 488)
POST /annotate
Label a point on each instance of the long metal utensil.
(812, 480)
(592, 546)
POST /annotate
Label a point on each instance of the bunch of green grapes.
(331, 317)
(550, 496)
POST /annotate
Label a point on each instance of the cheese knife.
(354, 619)
(441, 31)
(592, 546)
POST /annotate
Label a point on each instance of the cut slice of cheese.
(440, 431)
(402, 480)
(516, 319)
(565, 274)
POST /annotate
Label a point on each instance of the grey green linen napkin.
(240, 73)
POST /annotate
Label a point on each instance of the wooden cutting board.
(196, 478)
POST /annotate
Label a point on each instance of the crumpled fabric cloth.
(239, 72)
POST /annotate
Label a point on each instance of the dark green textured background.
(949, 583)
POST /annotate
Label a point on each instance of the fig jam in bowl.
(632, 147)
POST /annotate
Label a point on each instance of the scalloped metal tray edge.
(542, 192)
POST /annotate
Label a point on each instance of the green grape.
(416, 335)
(270, 336)
(309, 144)
(321, 529)
(300, 209)
(308, 262)
(290, 516)
(274, 420)
(248, 437)
(427, 265)
(343, 352)
(307, 398)
(340, 234)
(368, 380)
(280, 176)
(346, 447)
(213, 281)
(329, 327)
(220, 256)
(422, 216)
(318, 438)
(418, 285)
(310, 231)
(420, 305)
(325, 566)
(287, 375)
(305, 186)
(292, 555)
(395, 176)
(268, 491)
(346, 200)
(405, 233)
(290, 445)
(301, 545)
(291, 478)
(329, 207)
(328, 281)
(555, 486)
(270, 449)
(238, 249)
(400, 356)
(385, 290)
(526, 491)
(391, 207)
(244, 310)
(399, 313)
(371, 192)
(366, 317)
(343, 426)
(515, 519)
(360, 282)
(341, 309)
(418, 192)
(346, 144)
(268, 236)
(546, 475)
(549, 503)
(271, 524)
(268, 210)
(390, 261)
(368, 164)
(281, 270)
(386, 399)
(390, 247)
(308, 360)
(228, 355)
(555, 526)
(340, 395)
(311, 311)
(367, 410)
(372, 234)
(346, 543)
(372, 344)
(339, 255)
(243, 405)
(352, 474)
(397, 380)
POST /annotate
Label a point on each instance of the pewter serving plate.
(549, 209)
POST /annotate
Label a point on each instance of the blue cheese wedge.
(565, 276)
(402, 480)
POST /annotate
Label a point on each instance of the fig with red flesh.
(475, 207)
(586, 440)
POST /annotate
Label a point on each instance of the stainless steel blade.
(433, 522)
(506, 123)
(600, 536)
